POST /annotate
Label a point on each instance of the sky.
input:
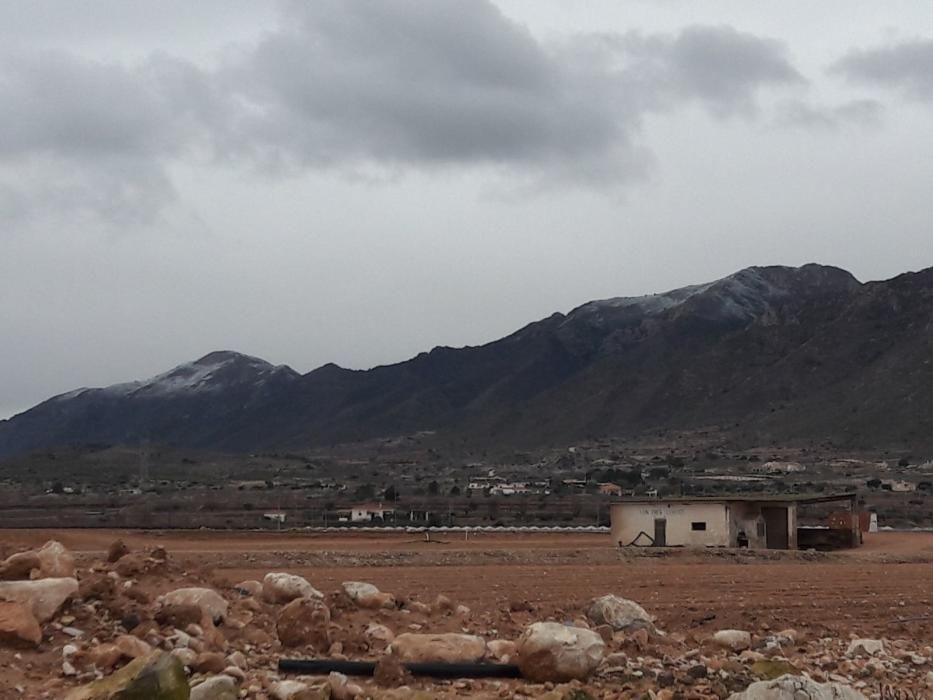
(357, 181)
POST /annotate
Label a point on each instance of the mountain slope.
(771, 352)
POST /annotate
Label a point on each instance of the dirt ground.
(863, 592)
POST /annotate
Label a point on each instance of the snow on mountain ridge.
(211, 373)
(744, 295)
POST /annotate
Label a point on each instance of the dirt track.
(858, 592)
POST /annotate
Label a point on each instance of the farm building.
(756, 522)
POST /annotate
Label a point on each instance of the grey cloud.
(799, 113)
(907, 65)
(356, 84)
(720, 67)
(454, 83)
(94, 138)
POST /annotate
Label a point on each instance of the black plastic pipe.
(321, 667)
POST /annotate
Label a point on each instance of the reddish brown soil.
(860, 592)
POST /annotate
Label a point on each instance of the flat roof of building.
(743, 498)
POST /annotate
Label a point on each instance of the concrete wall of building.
(722, 523)
(748, 517)
(629, 520)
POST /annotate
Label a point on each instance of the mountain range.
(802, 354)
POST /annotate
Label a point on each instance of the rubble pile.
(134, 625)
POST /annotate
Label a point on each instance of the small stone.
(736, 640)
(116, 551)
(215, 688)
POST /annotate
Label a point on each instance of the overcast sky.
(359, 180)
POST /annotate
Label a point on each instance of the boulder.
(736, 640)
(55, 561)
(619, 613)
(284, 588)
(366, 595)
(770, 669)
(438, 648)
(378, 635)
(304, 621)
(212, 606)
(157, 676)
(865, 647)
(185, 655)
(19, 566)
(116, 551)
(796, 687)
(296, 690)
(97, 587)
(550, 651)
(178, 616)
(45, 597)
(132, 647)
(342, 689)
(502, 650)
(209, 662)
(216, 688)
(18, 626)
(389, 672)
(102, 657)
(250, 588)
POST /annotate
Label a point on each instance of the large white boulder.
(44, 597)
(441, 648)
(284, 588)
(211, 604)
(618, 613)
(550, 651)
(797, 688)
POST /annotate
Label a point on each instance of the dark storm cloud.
(906, 65)
(352, 85)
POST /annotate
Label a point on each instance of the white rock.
(284, 588)
(502, 650)
(215, 688)
(286, 690)
(550, 651)
(44, 596)
(56, 561)
(736, 640)
(213, 606)
(439, 648)
(366, 595)
(379, 633)
(797, 688)
(185, 655)
(251, 588)
(865, 647)
(618, 613)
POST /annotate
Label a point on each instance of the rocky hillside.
(769, 353)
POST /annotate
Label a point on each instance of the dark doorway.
(660, 532)
(776, 536)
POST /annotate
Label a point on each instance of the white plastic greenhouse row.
(442, 529)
